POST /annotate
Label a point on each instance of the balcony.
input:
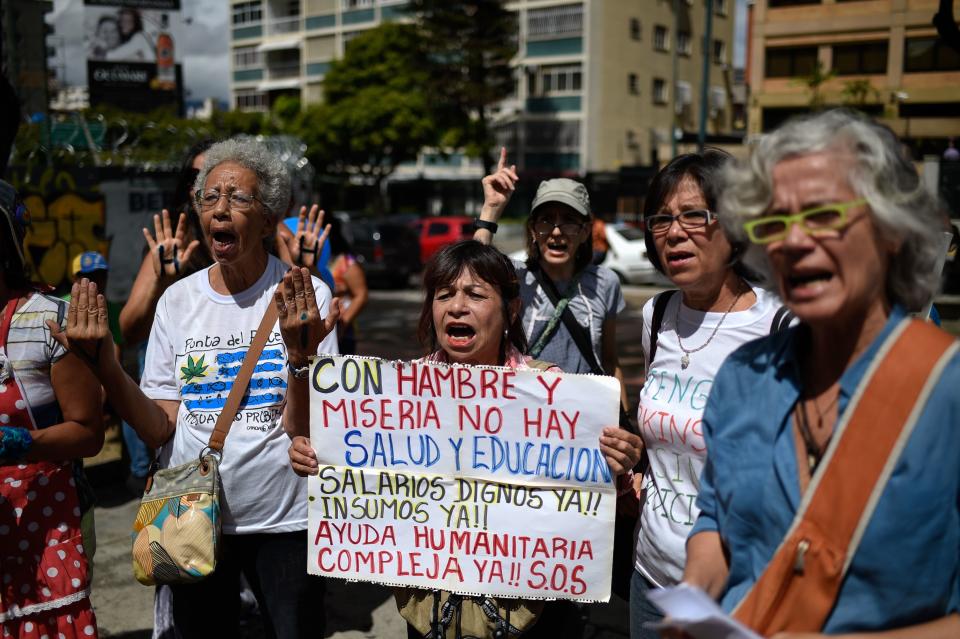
(285, 25)
(283, 71)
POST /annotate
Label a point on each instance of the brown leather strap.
(225, 420)
(798, 588)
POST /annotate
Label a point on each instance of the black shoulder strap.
(580, 337)
(781, 319)
(659, 308)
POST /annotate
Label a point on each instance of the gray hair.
(273, 180)
(903, 210)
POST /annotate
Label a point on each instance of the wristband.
(14, 442)
(488, 226)
(300, 372)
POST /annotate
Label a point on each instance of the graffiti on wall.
(67, 217)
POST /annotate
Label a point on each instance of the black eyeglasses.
(661, 223)
(545, 227)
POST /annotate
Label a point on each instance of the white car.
(627, 256)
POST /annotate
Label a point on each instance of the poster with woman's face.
(129, 30)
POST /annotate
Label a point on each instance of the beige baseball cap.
(564, 191)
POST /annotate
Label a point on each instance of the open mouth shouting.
(679, 258)
(557, 247)
(807, 283)
(460, 335)
(223, 242)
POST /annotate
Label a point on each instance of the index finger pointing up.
(503, 158)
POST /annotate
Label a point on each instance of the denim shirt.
(906, 569)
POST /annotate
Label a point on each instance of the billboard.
(131, 53)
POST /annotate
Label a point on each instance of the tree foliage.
(471, 44)
(377, 110)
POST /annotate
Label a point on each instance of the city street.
(124, 608)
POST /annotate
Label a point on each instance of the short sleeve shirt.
(596, 298)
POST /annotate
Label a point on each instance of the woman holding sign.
(471, 315)
(830, 499)
(686, 338)
(204, 330)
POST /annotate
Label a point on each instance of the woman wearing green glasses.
(830, 499)
(685, 339)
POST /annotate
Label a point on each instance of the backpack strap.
(781, 319)
(659, 308)
(797, 590)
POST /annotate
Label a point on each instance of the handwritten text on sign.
(470, 479)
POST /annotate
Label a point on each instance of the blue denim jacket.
(907, 567)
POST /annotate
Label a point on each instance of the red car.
(437, 232)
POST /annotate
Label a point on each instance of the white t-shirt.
(196, 347)
(671, 406)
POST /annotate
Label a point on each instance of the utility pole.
(705, 80)
(674, 79)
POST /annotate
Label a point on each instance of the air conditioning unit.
(718, 100)
(684, 96)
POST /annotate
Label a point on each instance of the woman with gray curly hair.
(203, 328)
(832, 504)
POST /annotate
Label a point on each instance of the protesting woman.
(50, 414)
(204, 326)
(471, 315)
(830, 499)
(569, 305)
(685, 339)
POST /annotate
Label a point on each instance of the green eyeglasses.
(817, 222)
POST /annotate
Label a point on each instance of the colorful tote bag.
(177, 530)
(176, 534)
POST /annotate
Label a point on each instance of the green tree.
(858, 92)
(377, 110)
(814, 82)
(471, 43)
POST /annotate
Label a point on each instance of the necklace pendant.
(684, 361)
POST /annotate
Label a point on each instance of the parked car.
(437, 232)
(627, 256)
(388, 250)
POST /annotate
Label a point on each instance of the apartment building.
(882, 56)
(600, 84)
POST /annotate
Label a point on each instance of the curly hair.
(273, 180)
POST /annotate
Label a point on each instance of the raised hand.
(301, 326)
(306, 244)
(621, 448)
(303, 459)
(167, 251)
(88, 331)
(498, 188)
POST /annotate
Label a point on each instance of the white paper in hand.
(693, 611)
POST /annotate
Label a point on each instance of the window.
(246, 57)
(555, 79)
(552, 22)
(438, 228)
(929, 54)
(659, 91)
(251, 101)
(683, 43)
(661, 38)
(553, 135)
(720, 7)
(859, 58)
(247, 12)
(719, 52)
(634, 29)
(633, 85)
(790, 62)
(357, 4)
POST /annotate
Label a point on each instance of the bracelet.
(14, 442)
(488, 226)
(300, 372)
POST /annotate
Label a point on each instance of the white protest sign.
(475, 480)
